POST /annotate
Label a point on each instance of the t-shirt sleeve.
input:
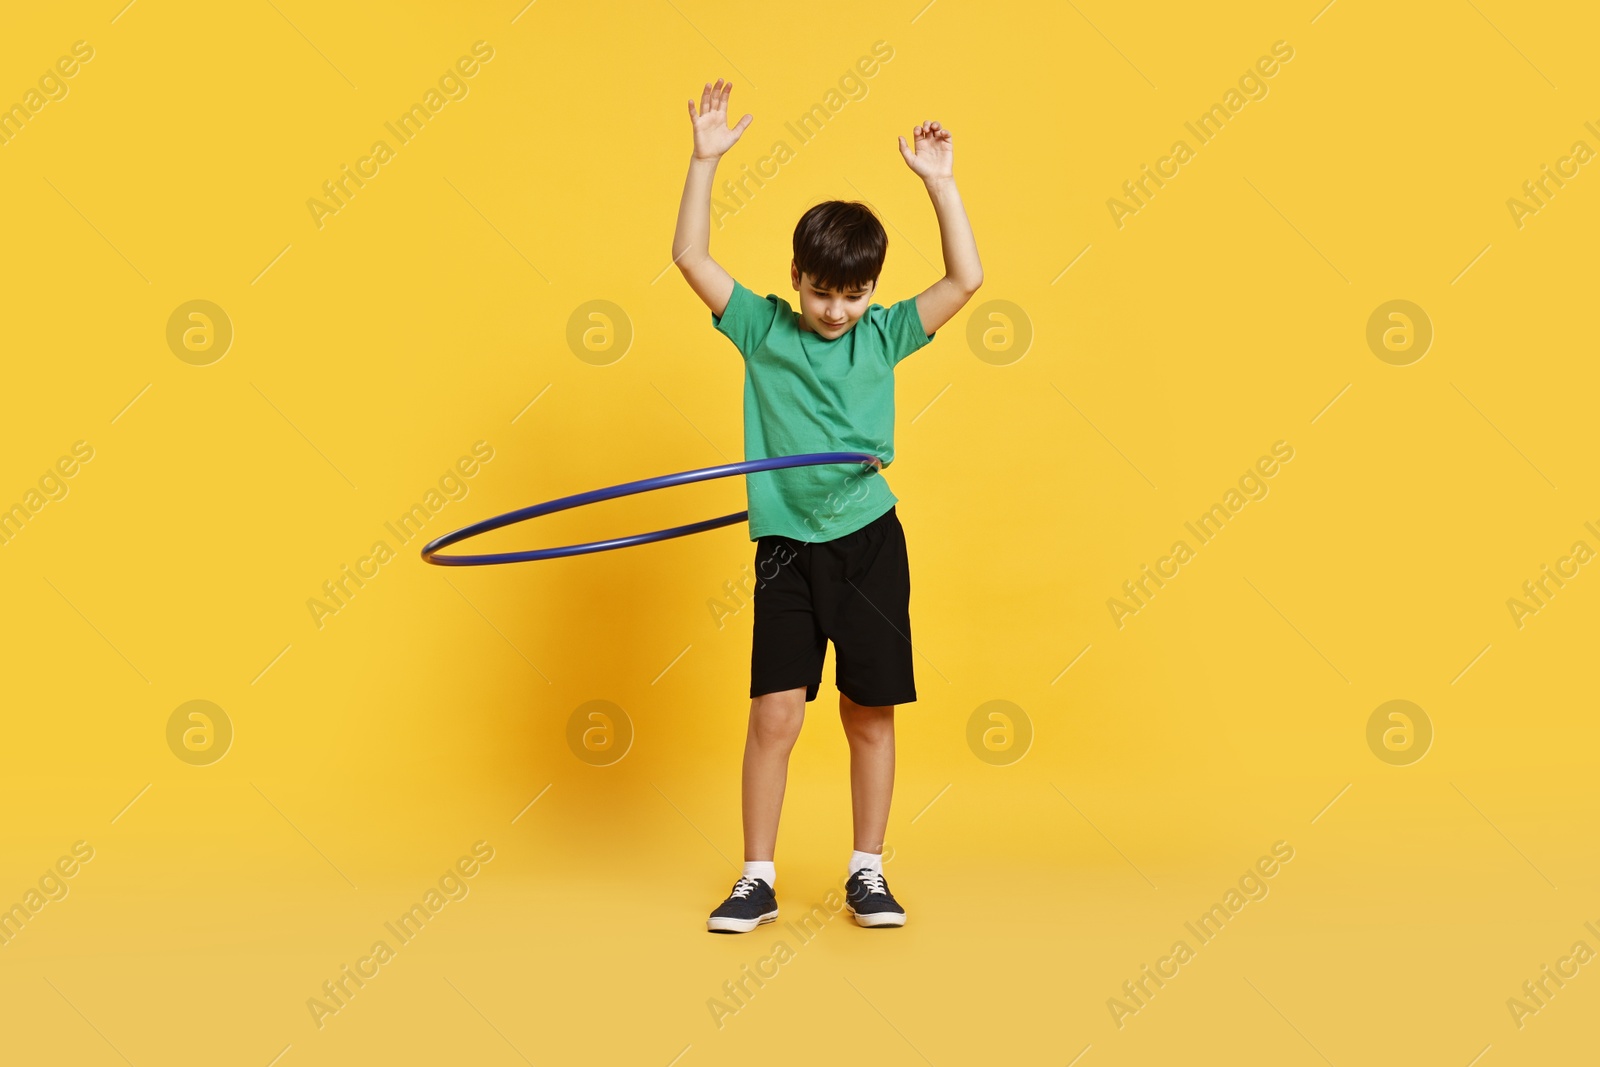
(746, 320)
(902, 330)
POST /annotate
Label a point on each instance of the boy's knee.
(775, 718)
(871, 725)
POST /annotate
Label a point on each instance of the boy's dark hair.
(841, 244)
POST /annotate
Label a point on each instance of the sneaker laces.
(872, 879)
(743, 886)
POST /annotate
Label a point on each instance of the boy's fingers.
(705, 98)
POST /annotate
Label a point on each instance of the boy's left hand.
(933, 158)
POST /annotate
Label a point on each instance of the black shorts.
(854, 590)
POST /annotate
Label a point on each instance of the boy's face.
(829, 313)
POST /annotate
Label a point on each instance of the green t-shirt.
(806, 393)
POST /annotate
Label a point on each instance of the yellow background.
(427, 714)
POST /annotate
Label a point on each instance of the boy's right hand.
(712, 137)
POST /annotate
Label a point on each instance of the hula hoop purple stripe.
(594, 496)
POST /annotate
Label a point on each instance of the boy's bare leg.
(775, 720)
(870, 731)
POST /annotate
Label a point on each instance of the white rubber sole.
(881, 918)
(726, 925)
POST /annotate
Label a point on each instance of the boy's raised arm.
(933, 162)
(691, 244)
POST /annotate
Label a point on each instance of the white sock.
(859, 860)
(763, 869)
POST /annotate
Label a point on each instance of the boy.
(830, 552)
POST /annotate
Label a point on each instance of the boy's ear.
(794, 275)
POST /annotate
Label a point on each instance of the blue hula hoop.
(594, 496)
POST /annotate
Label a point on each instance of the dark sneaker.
(869, 900)
(751, 903)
